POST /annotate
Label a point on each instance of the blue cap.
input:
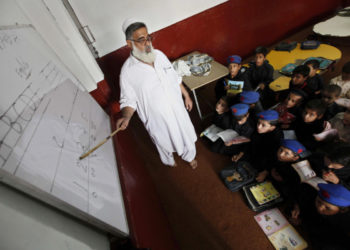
(334, 194)
(234, 59)
(249, 97)
(268, 115)
(239, 109)
(293, 145)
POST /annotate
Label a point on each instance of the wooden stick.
(100, 144)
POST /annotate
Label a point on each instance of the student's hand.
(123, 123)
(295, 219)
(276, 175)
(227, 87)
(261, 176)
(227, 144)
(330, 177)
(317, 92)
(261, 86)
(188, 103)
(236, 157)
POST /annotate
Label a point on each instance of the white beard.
(147, 57)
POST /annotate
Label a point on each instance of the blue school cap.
(293, 145)
(268, 115)
(234, 59)
(239, 109)
(249, 97)
(335, 194)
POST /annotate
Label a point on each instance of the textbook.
(307, 174)
(279, 231)
(229, 135)
(261, 196)
(236, 87)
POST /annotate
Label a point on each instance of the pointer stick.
(100, 144)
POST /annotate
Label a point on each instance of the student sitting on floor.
(261, 75)
(329, 95)
(341, 122)
(343, 81)
(242, 125)
(324, 215)
(236, 73)
(314, 81)
(222, 117)
(338, 166)
(264, 143)
(310, 122)
(251, 98)
(290, 107)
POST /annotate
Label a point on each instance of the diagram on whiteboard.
(47, 122)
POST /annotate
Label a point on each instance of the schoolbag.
(237, 175)
(310, 44)
(286, 46)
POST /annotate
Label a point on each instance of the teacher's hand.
(188, 103)
(123, 123)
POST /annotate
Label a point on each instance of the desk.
(194, 82)
(278, 59)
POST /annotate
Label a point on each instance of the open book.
(236, 87)
(229, 135)
(307, 174)
(279, 231)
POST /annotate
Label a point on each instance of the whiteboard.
(105, 17)
(46, 122)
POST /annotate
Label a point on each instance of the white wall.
(31, 225)
(105, 17)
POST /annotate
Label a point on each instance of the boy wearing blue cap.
(261, 75)
(325, 215)
(242, 125)
(264, 144)
(252, 98)
(236, 73)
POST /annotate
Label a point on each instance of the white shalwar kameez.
(155, 93)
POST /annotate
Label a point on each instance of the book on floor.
(262, 195)
(307, 174)
(229, 135)
(279, 231)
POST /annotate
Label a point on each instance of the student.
(290, 107)
(236, 73)
(329, 95)
(343, 81)
(261, 75)
(264, 143)
(251, 98)
(299, 79)
(222, 117)
(242, 125)
(324, 215)
(341, 122)
(338, 166)
(310, 122)
(314, 81)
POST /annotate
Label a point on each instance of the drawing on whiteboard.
(59, 144)
(23, 70)
(7, 40)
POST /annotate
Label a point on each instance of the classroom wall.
(234, 27)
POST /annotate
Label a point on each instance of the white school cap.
(128, 22)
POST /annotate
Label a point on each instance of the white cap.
(128, 22)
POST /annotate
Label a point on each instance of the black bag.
(310, 44)
(286, 46)
(237, 175)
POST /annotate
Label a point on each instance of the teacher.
(150, 86)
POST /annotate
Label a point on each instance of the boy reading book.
(243, 128)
